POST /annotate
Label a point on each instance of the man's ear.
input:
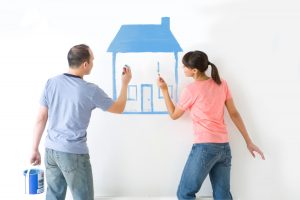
(85, 64)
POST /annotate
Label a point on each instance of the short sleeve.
(43, 98)
(227, 91)
(101, 99)
(185, 100)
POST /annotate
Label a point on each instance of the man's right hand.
(126, 75)
(35, 158)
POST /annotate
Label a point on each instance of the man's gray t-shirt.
(70, 101)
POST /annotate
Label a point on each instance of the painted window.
(170, 88)
(132, 93)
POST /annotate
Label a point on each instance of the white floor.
(146, 198)
(42, 197)
(69, 197)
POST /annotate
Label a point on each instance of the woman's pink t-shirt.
(206, 101)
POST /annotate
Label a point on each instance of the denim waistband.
(215, 146)
(212, 144)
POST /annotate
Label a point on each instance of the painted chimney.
(165, 22)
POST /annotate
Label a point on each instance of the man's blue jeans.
(207, 158)
(68, 170)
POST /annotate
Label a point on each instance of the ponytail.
(199, 60)
(214, 73)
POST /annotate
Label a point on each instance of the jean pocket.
(67, 162)
(49, 161)
(228, 158)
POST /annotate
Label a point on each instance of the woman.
(206, 98)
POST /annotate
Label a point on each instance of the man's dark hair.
(78, 54)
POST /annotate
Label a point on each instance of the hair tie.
(209, 63)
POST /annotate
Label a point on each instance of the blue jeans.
(68, 170)
(207, 158)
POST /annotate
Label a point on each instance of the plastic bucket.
(34, 181)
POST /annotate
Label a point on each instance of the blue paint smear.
(143, 86)
(145, 38)
(176, 76)
(130, 88)
(114, 76)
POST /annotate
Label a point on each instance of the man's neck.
(76, 72)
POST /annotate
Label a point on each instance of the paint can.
(34, 180)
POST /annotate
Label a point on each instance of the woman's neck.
(200, 77)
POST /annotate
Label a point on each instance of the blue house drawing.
(148, 49)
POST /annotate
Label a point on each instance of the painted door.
(147, 98)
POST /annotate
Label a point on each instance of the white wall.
(254, 43)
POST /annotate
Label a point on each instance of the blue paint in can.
(34, 181)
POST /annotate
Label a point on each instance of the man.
(67, 103)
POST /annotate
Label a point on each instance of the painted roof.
(145, 38)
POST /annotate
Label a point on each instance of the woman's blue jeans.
(207, 158)
(68, 170)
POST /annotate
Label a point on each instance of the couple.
(67, 103)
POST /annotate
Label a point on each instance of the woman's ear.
(195, 71)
